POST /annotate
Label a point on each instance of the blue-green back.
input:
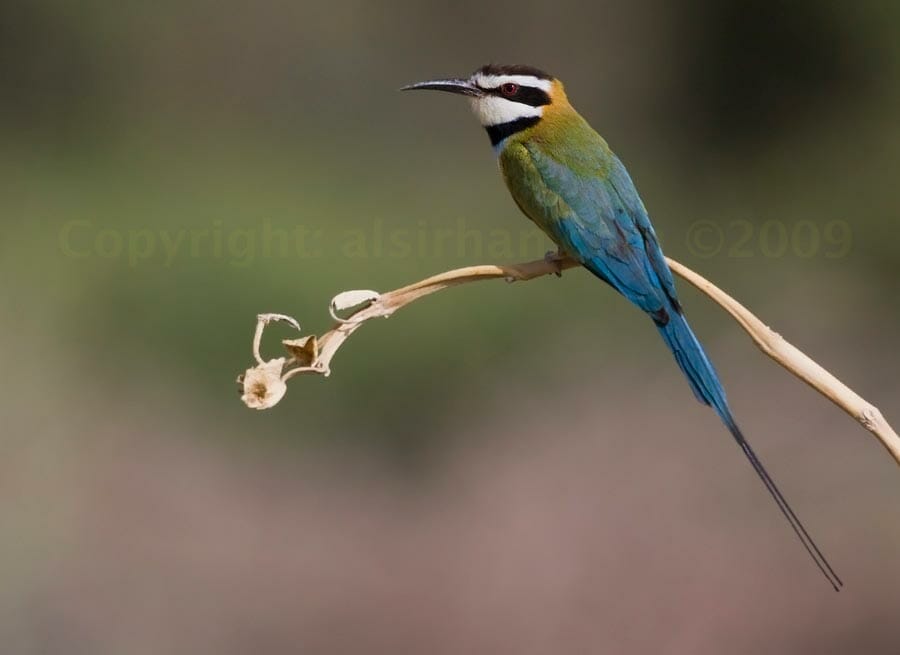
(581, 195)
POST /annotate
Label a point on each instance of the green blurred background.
(500, 468)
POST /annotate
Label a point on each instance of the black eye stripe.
(528, 95)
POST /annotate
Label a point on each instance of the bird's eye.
(509, 89)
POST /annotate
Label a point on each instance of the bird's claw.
(555, 258)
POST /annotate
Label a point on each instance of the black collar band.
(499, 132)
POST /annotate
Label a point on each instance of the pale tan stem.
(797, 362)
(770, 342)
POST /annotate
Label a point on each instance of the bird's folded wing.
(602, 222)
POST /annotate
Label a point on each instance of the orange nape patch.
(559, 119)
(559, 101)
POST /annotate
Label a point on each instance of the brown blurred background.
(499, 468)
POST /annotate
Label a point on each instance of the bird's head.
(505, 99)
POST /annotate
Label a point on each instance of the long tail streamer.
(699, 370)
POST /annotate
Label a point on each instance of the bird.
(564, 177)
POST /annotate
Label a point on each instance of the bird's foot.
(555, 258)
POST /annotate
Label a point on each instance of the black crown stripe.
(514, 69)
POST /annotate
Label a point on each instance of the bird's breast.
(537, 200)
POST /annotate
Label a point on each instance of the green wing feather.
(592, 211)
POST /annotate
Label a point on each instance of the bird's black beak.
(463, 87)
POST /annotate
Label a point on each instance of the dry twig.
(265, 384)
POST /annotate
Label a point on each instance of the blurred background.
(500, 468)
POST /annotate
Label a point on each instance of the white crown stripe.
(494, 81)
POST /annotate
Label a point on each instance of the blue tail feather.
(706, 386)
(694, 363)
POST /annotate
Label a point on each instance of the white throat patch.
(493, 110)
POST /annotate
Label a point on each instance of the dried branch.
(265, 384)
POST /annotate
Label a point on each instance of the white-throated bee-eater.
(565, 178)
